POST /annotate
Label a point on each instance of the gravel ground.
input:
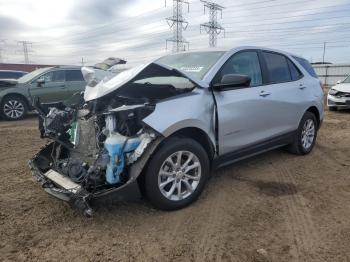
(273, 207)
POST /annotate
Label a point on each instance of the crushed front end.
(100, 143)
(96, 149)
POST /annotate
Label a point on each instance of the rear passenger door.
(74, 82)
(283, 87)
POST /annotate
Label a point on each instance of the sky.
(67, 31)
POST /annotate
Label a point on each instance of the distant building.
(22, 67)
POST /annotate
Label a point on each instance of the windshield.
(347, 80)
(31, 75)
(196, 64)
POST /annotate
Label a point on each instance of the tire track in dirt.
(298, 217)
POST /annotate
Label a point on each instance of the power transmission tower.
(213, 28)
(26, 50)
(178, 23)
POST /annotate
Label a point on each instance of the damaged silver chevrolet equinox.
(161, 127)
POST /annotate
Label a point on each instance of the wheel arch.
(314, 110)
(199, 136)
(25, 99)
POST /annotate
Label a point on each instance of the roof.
(15, 71)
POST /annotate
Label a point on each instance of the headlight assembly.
(333, 92)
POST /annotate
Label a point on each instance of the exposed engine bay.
(101, 145)
(93, 149)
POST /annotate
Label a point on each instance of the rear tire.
(332, 108)
(13, 108)
(176, 173)
(305, 136)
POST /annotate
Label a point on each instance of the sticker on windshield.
(194, 69)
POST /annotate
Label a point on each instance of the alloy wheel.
(308, 134)
(13, 109)
(179, 175)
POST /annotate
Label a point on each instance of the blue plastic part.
(117, 158)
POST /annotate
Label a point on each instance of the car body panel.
(173, 114)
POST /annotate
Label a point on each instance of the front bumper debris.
(63, 188)
(50, 181)
(338, 101)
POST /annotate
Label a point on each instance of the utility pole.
(26, 45)
(213, 28)
(178, 23)
(324, 51)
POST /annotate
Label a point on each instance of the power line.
(178, 23)
(213, 28)
(288, 28)
(299, 21)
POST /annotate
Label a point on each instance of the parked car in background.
(339, 95)
(50, 84)
(11, 74)
(163, 126)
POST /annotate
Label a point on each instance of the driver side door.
(53, 89)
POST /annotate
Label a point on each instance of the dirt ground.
(274, 207)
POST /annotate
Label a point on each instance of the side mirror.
(40, 82)
(232, 81)
(338, 82)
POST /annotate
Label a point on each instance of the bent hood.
(108, 85)
(345, 87)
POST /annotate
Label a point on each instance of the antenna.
(26, 50)
(213, 28)
(178, 23)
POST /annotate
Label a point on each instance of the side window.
(243, 63)
(53, 76)
(74, 75)
(277, 68)
(294, 71)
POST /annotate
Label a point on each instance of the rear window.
(306, 65)
(277, 68)
(74, 75)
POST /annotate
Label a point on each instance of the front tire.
(176, 174)
(13, 108)
(305, 137)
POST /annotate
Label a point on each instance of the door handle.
(301, 87)
(264, 93)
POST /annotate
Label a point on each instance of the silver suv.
(161, 127)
